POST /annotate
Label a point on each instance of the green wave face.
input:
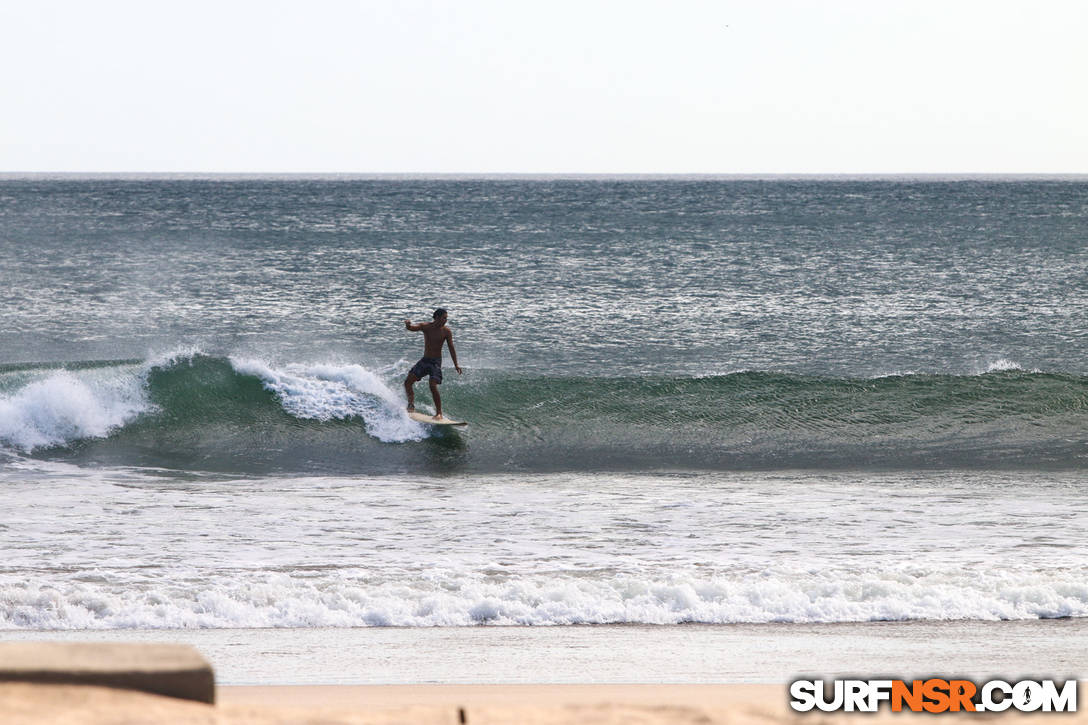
(204, 412)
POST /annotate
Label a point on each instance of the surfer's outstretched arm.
(414, 328)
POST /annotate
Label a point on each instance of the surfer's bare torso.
(434, 336)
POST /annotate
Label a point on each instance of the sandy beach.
(425, 704)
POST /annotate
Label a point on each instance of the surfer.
(434, 334)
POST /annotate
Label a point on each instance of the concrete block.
(174, 670)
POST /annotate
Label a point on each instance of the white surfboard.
(424, 418)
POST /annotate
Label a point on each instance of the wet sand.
(620, 654)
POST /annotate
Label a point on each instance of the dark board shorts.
(429, 366)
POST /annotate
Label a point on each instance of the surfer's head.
(439, 314)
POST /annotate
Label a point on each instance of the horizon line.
(470, 175)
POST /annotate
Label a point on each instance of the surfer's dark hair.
(439, 312)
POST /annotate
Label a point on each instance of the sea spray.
(329, 392)
(59, 407)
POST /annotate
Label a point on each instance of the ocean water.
(713, 401)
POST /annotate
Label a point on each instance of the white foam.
(63, 406)
(329, 392)
(443, 598)
(998, 366)
(1003, 365)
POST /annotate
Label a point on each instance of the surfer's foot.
(411, 408)
(438, 416)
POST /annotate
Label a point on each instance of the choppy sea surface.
(690, 400)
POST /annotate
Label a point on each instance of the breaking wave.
(206, 412)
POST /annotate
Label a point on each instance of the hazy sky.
(767, 86)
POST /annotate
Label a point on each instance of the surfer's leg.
(409, 391)
(437, 399)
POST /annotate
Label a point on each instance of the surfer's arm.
(453, 352)
(414, 328)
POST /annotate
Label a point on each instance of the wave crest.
(336, 392)
(62, 407)
(46, 407)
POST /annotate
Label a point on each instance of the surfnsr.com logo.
(934, 695)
